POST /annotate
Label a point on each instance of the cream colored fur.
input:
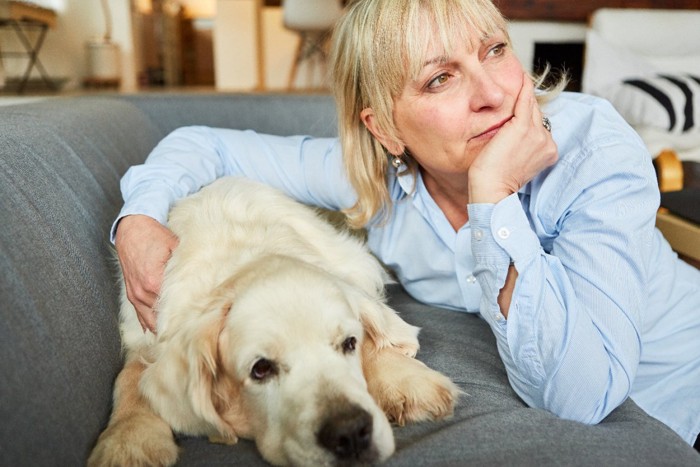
(260, 279)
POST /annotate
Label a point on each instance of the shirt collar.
(413, 188)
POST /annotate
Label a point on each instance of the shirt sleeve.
(308, 169)
(571, 343)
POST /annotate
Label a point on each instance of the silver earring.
(396, 161)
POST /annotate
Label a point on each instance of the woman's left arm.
(571, 338)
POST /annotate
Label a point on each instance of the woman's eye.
(349, 344)
(498, 49)
(263, 369)
(438, 81)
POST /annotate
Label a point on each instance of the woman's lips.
(492, 130)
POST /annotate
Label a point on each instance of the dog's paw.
(407, 348)
(135, 442)
(412, 392)
(429, 397)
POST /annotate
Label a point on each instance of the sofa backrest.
(276, 114)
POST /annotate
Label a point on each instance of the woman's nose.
(486, 91)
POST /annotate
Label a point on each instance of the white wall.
(236, 47)
(64, 52)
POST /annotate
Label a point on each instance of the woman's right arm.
(189, 158)
(307, 169)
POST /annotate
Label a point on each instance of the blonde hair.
(377, 47)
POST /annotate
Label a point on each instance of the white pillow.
(669, 102)
(606, 64)
(641, 63)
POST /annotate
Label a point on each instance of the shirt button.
(471, 279)
(503, 233)
(499, 317)
(478, 235)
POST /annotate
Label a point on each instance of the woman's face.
(457, 104)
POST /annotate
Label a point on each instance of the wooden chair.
(313, 20)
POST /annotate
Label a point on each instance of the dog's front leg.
(405, 388)
(135, 435)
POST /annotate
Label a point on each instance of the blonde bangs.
(453, 22)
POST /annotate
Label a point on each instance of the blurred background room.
(70, 46)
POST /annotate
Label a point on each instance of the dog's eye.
(349, 344)
(263, 369)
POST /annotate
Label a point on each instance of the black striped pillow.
(664, 101)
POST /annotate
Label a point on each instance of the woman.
(543, 225)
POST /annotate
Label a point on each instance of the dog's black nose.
(347, 434)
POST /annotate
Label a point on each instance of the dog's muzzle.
(347, 434)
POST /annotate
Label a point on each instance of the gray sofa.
(60, 165)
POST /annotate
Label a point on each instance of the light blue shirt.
(602, 307)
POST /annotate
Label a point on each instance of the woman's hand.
(521, 149)
(143, 246)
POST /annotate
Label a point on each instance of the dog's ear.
(382, 325)
(186, 382)
(226, 389)
(204, 367)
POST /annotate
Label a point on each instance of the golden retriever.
(271, 326)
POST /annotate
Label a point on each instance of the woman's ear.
(369, 118)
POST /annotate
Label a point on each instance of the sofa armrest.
(60, 165)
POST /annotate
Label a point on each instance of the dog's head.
(277, 359)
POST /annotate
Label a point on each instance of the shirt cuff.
(154, 204)
(484, 246)
(502, 233)
(490, 267)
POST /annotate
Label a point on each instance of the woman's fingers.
(147, 318)
(526, 108)
(145, 311)
(526, 104)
